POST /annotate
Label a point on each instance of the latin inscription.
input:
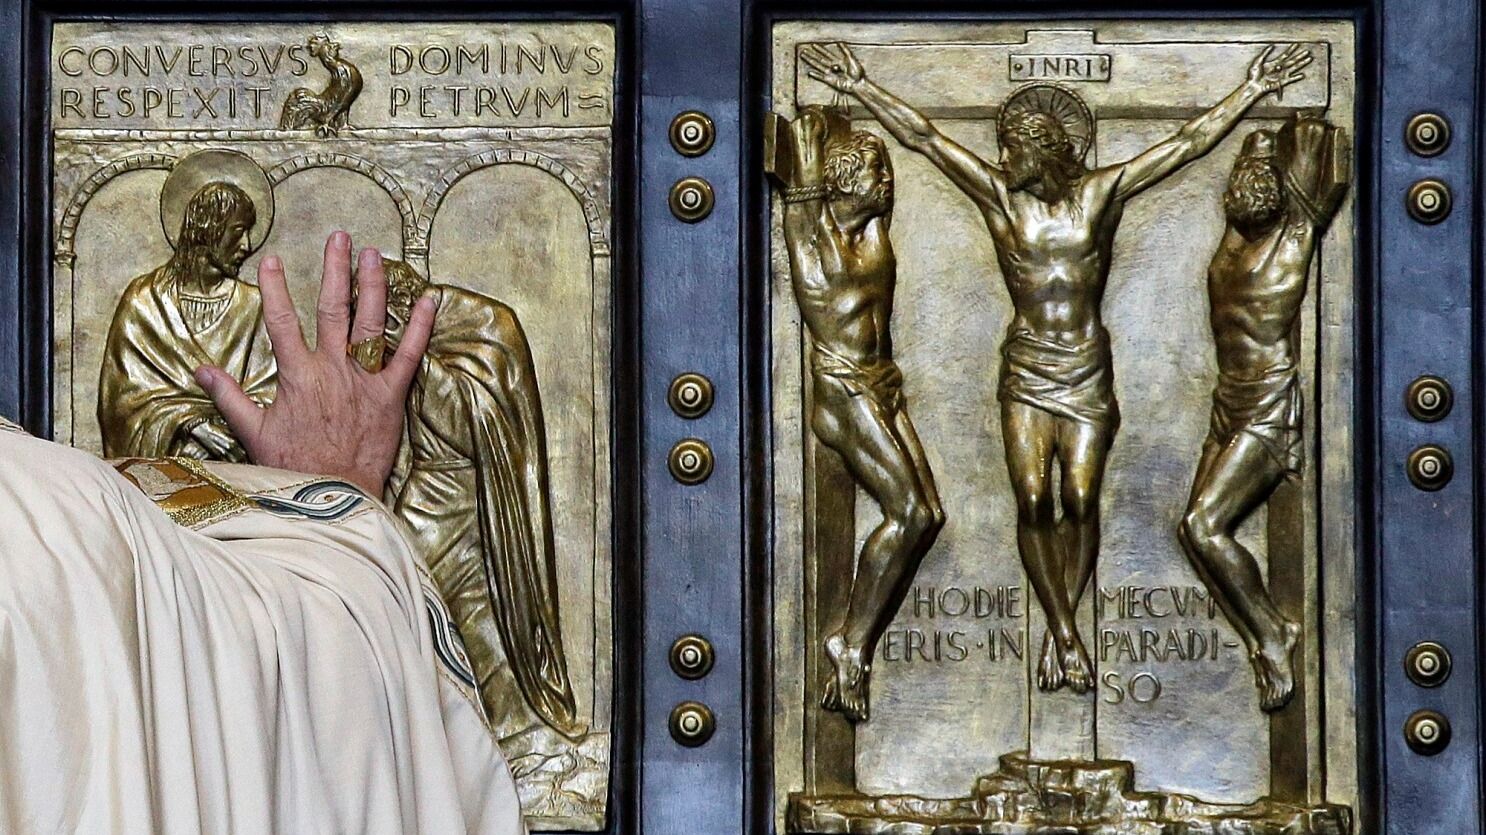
(1094, 67)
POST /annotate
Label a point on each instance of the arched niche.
(311, 202)
(518, 234)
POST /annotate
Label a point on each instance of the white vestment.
(274, 660)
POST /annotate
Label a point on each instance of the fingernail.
(342, 240)
(203, 376)
(370, 256)
(433, 299)
(272, 262)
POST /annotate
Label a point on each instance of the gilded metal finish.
(692, 199)
(692, 133)
(1285, 188)
(1427, 134)
(692, 656)
(223, 142)
(1429, 398)
(1427, 732)
(369, 353)
(1429, 201)
(1104, 296)
(692, 724)
(1427, 664)
(690, 461)
(1430, 467)
(690, 395)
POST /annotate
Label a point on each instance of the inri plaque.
(1102, 578)
(478, 158)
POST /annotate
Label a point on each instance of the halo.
(1057, 101)
(211, 166)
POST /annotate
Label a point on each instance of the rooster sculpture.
(326, 111)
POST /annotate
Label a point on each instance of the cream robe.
(278, 664)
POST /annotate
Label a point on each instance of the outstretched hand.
(1274, 76)
(835, 67)
(330, 416)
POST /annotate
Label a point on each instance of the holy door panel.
(1062, 328)
(478, 158)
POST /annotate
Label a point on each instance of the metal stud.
(1429, 201)
(692, 657)
(691, 199)
(692, 723)
(690, 395)
(692, 133)
(1427, 664)
(1429, 398)
(1430, 467)
(691, 461)
(1427, 732)
(1427, 134)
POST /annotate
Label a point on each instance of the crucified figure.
(838, 199)
(1053, 222)
(1284, 191)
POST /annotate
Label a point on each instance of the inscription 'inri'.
(1094, 67)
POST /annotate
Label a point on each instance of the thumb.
(243, 416)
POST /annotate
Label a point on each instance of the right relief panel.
(1063, 352)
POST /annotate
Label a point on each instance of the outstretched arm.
(840, 70)
(1198, 136)
(808, 230)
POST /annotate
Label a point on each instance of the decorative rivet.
(1429, 398)
(692, 723)
(692, 133)
(691, 199)
(1427, 664)
(1427, 732)
(690, 395)
(1427, 134)
(691, 461)
(691, 656)
(1430, 467)
(1429, 201)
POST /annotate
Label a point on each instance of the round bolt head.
(690, 395)
(1429, 201)
(1430, 467)
(691, 199)
(1427, 134)
(692, 133)
(1427, 732)
(1427, 664)
(692, 724)
(691, 461)
(691, 657)
(1429, 398)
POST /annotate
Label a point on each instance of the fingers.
(279, 317)
(333, 311)
(1263, 56)
(404, 364)
(243, 416)
(371, 297)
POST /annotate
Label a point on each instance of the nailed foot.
(1274, 668)
(1077, 667)
(846, 691)
(1050, 674)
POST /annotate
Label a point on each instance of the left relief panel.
(478, 158)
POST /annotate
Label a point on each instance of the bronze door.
(925, 418)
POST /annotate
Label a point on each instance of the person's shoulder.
(491, 312)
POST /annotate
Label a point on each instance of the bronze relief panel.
(478, 159)
(1108, 266)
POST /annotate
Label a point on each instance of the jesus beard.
(1254, 197)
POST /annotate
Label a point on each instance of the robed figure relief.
(475, 496)
(1284, 190)
(193, 310)
(1053, 221)
(838, 201)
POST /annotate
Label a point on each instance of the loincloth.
(881, 380)
(1267, 408)
(1068, 381)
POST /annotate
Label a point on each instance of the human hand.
(837, 68)
(331, 416)
(1267, 76)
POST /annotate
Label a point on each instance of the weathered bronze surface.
(1142, 696)
(477, 156)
